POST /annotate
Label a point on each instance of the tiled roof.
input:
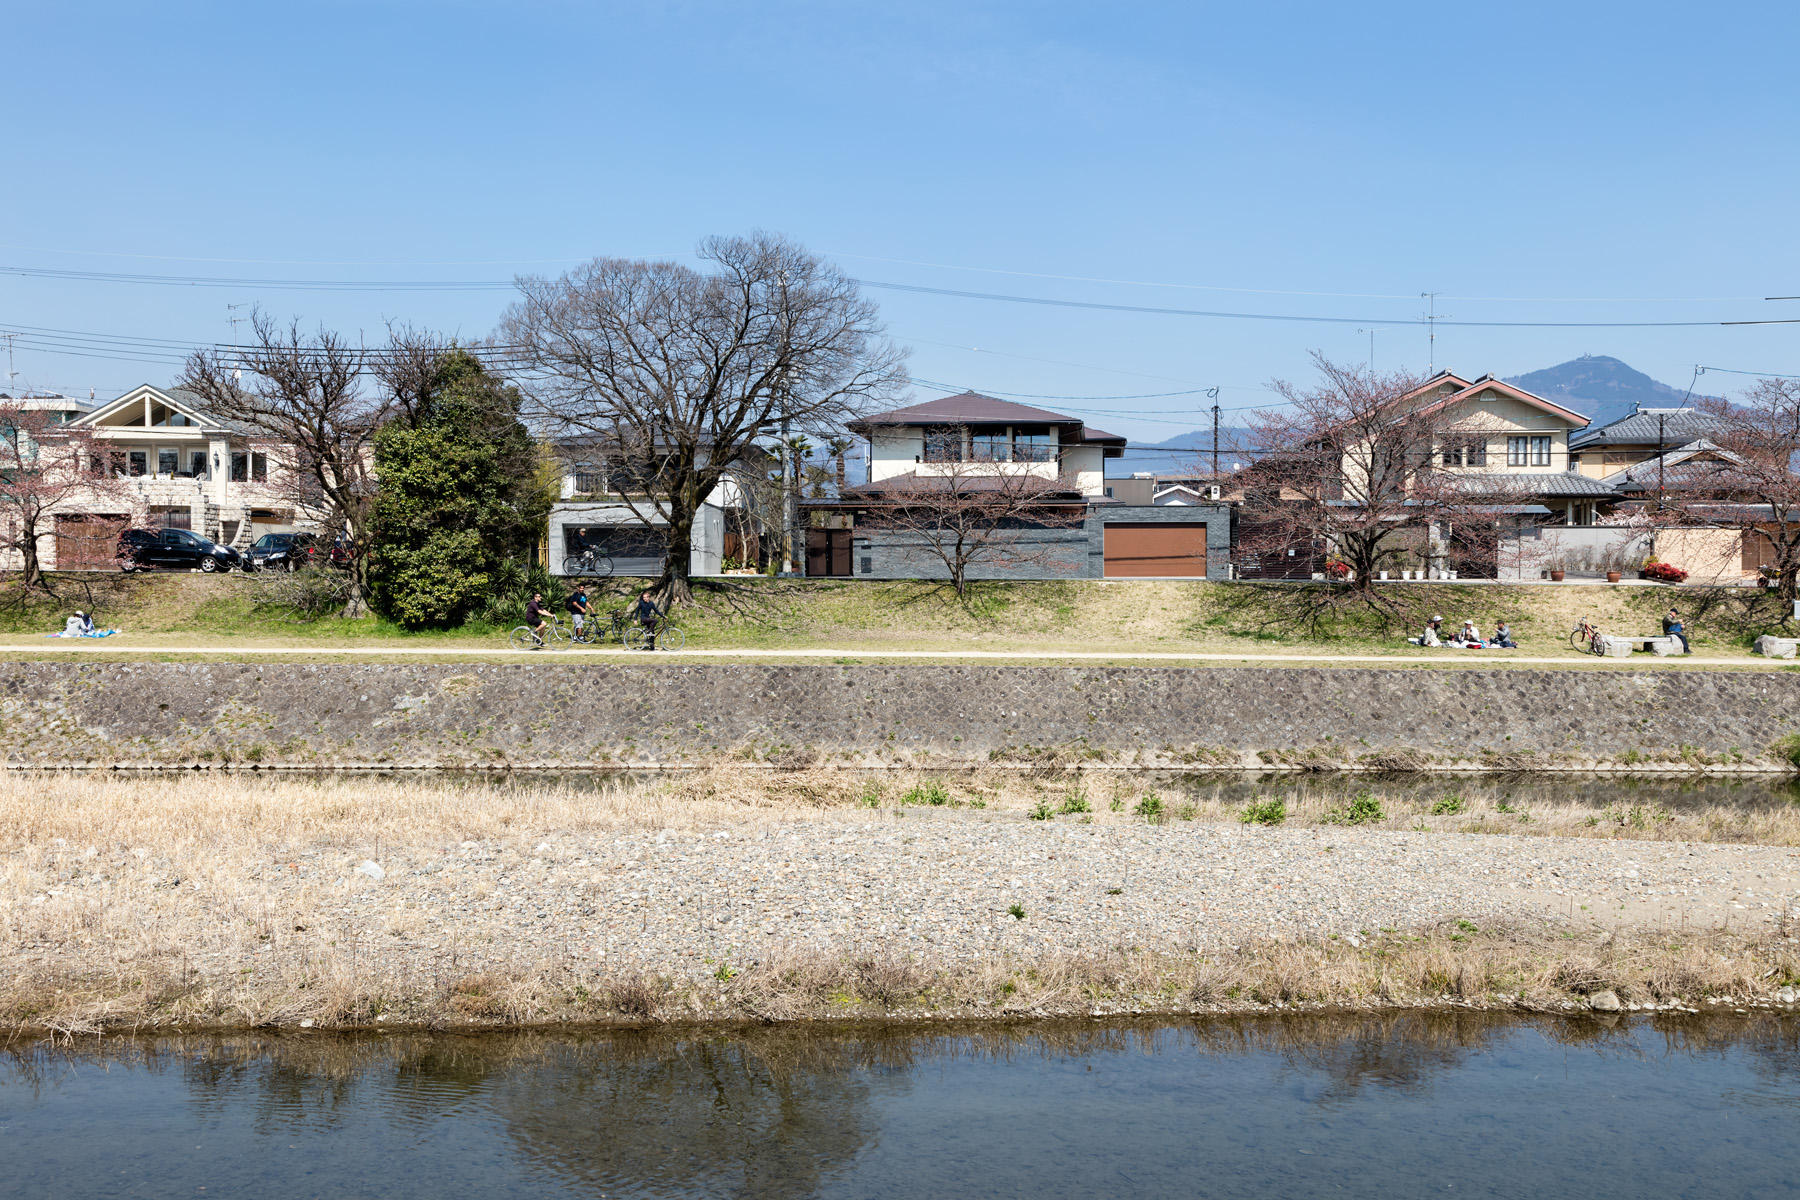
(1564, 485)
(1679, 425)
(968, 407)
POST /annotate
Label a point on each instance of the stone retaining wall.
(548, 714)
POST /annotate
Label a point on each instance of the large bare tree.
(979, 517)
(305, 393)
(1754, 488)
(1358, 462)
(669, 375)
(46, 468)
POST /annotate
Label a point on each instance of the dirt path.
(1447, 658)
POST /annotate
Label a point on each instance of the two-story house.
(970, 437)
(185, 468)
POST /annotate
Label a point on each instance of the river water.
(1464, 1105)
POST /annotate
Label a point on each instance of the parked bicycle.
(588, 564)
(595, 632)
(1585, 638)
(554, 637)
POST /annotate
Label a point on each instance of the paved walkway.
(1445, 658)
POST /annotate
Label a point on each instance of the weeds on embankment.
(1533, 967)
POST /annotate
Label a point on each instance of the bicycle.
(669, 637)
(1585, 638)
(554, 637)
(588, 564)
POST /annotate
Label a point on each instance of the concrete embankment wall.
(555, 715)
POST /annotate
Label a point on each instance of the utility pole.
(10, 373)
(1214, 394)
(1371, 333)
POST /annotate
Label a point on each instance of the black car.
(173, 550)
(287, 551)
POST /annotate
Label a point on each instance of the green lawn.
(1090, 615)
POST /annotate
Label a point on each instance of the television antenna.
(10, 373)
(1431, 316)
(1371, 333)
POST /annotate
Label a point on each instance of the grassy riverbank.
(1087, 616)
(238, 902)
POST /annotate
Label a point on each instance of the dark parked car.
(285, 551)
(173, 550)
(291, 551)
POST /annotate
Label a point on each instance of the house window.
(943, 444)
(249, 468)
(140, 462)
(197, 464)
(240, 468)
(1475, 454)
(166, 462)
(990, 445)
(1527, 451)
(259, 468)
(1033, 443)
(117, 459)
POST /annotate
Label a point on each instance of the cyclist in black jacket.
(534, 617)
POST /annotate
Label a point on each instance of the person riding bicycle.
(536, 617)
(579, 609)
(648, 615)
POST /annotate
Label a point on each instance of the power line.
(478, 285)
(1762, 374)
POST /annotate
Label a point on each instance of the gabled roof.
(1646, 426)
(1474, 387)
(180, 399)
(1561, 485)
(1654, 470)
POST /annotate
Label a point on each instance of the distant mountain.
(1603, 388)
(1179, 454)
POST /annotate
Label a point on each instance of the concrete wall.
(546, 713)
(1072, 552)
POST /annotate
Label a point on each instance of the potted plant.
(1614, 576)
(1559, 567)
(1663, 572)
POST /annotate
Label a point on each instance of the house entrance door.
(1159, 551)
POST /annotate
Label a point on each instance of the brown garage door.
(1156, 551)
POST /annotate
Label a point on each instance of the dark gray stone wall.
(1075, 552)
(545, 713)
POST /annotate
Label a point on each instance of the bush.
(308, 594)
(1363, 809)
(1042, 812)
(1664, 572)
(930, 792)
(1075, 802)
(1150, 807)
(1272, 811)
(1449, 806)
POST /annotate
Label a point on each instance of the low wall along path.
(576, 716)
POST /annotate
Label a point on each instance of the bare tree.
(1753, 486)
(976, 517)
(1357, 464)
(46, 467)
(305, 394)
(672, 374)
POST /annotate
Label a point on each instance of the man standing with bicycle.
(647, 615)
(579, 611)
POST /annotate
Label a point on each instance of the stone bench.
(1770, 646)
(1613, 645)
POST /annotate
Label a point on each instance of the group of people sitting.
(1466, 638)
(81, 625)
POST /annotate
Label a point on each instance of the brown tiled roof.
(968, 407)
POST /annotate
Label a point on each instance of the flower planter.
(1612, 577)
(1556, 576)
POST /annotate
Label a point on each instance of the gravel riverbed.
(946, 885)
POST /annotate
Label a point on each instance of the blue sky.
(1541, 163)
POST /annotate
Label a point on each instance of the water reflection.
(1364, 1104)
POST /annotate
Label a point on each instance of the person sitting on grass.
(1469, 637)
(1503, 637)
(1430, 636)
